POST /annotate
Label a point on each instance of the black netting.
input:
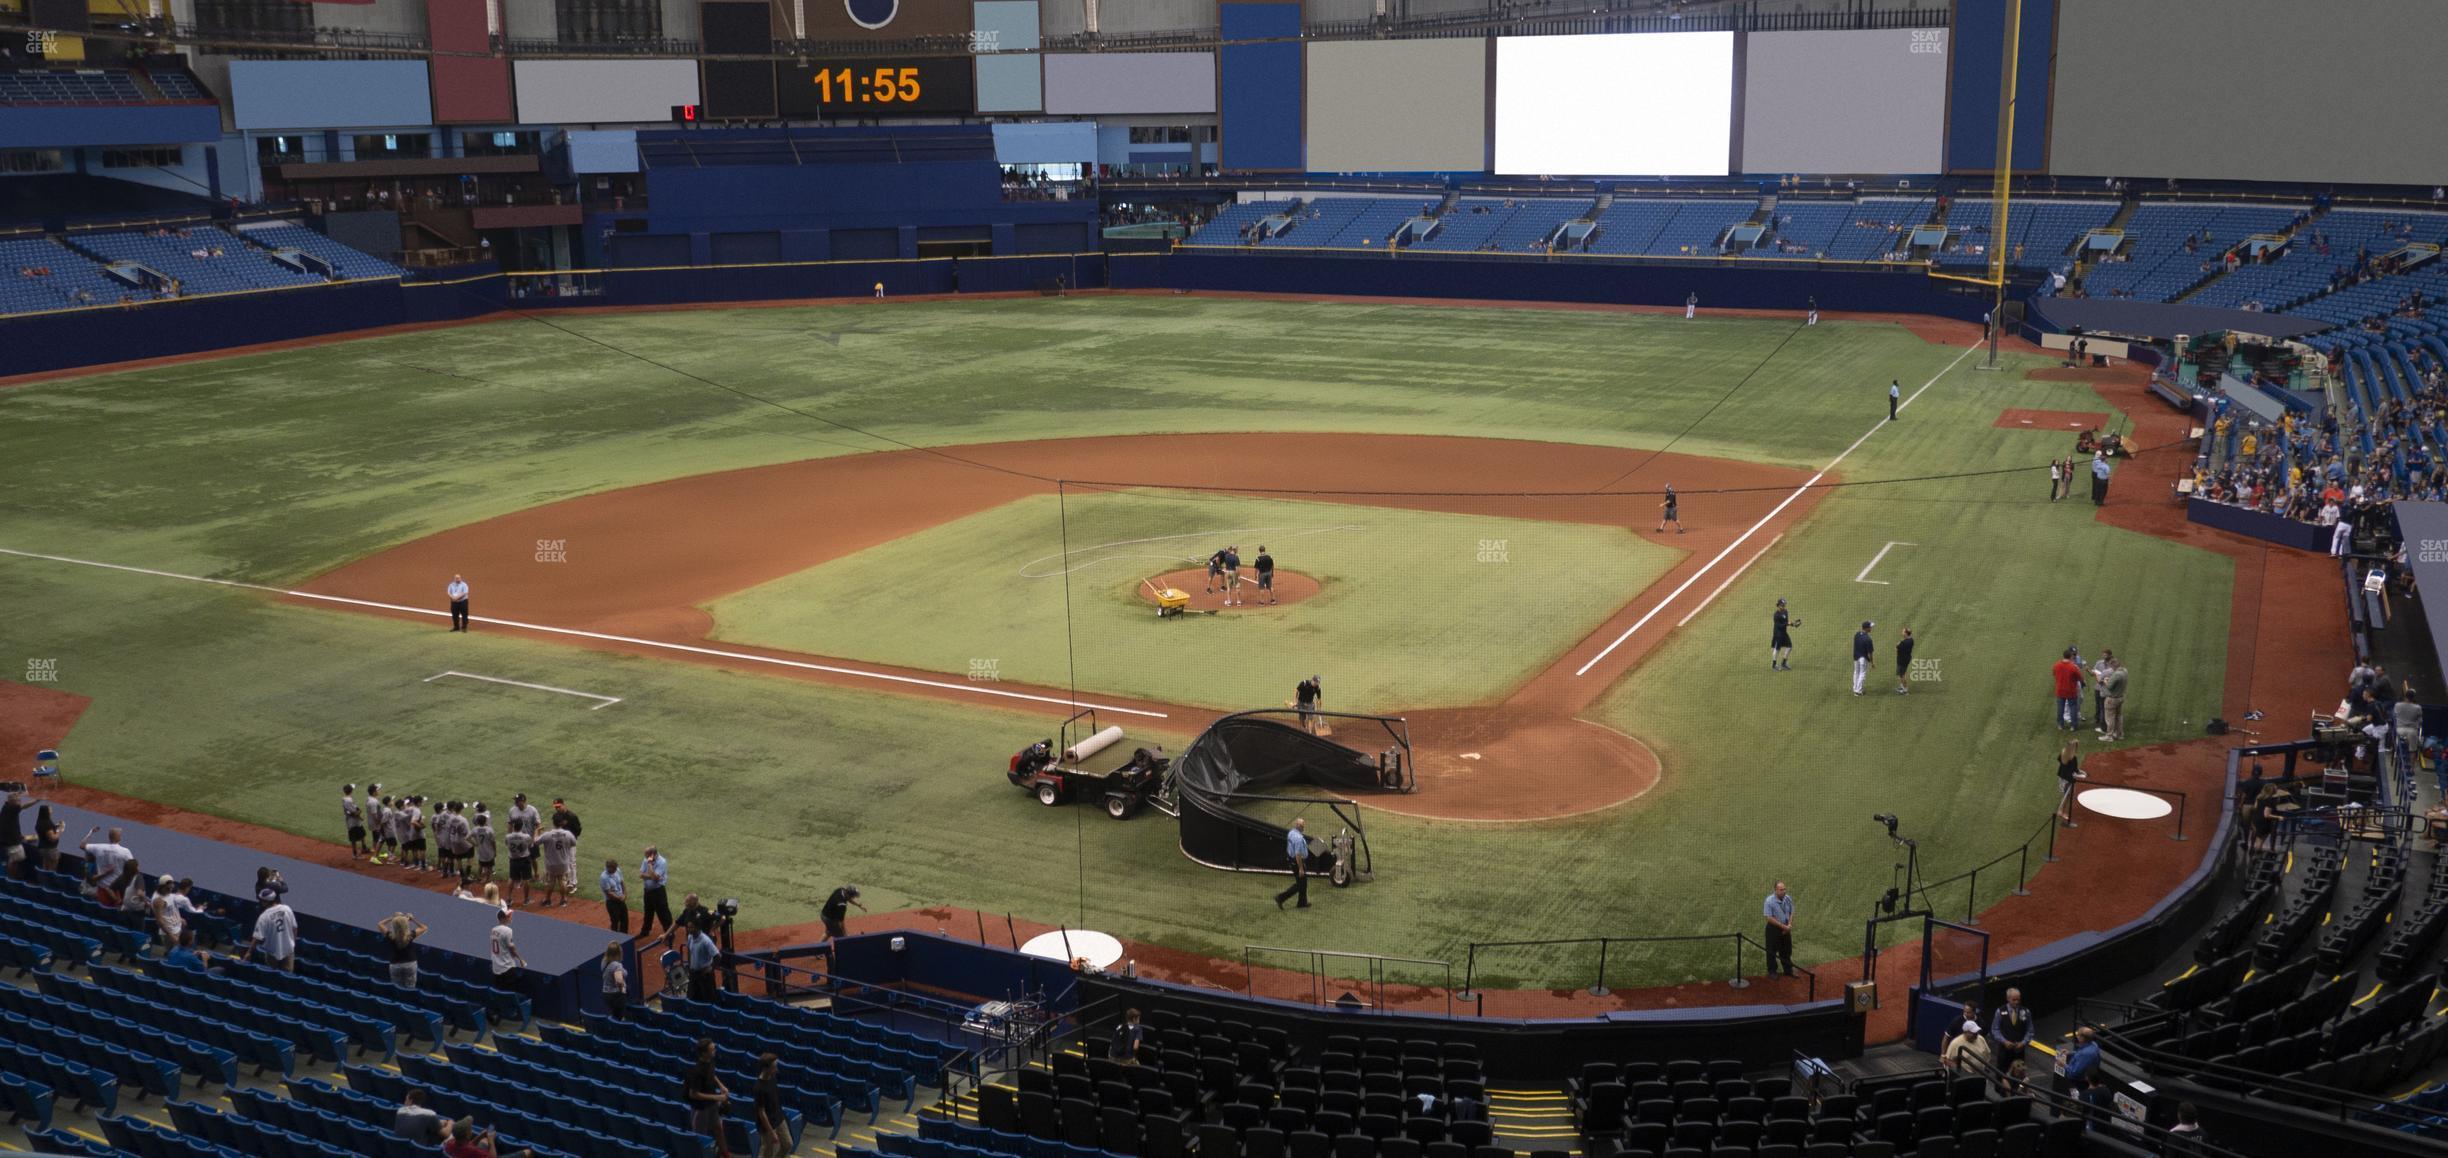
(1235, 783)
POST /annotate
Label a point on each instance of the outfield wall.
(74, 338)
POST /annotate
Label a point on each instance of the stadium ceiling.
(1500, 18)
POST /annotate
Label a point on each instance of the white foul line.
(608, 701)
(691, 649)
(1729, 581)
(1892, 544)
(1799, 491)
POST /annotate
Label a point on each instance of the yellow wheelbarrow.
(1169, 600)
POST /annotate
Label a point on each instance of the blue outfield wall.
(71, 339)
(1720, 285)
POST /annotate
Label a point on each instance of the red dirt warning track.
(641, 561)
(2067, 420)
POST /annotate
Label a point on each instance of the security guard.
(1862, 649)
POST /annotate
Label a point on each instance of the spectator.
(103, 860)
(184, 954)
(563, 817)
(773, 1125)
(127, 894)
(269, 888)
(1968, 1053)
(1127, 1038)
(615, 895)
(615, 981)
(170, 907)
(2187, 1132)
(706, 1097)
(46, 839)
(2083, 1060)
(400, 932)
(466, 1142)
(276, 937)
(702, 957)
(415, 1122)
(105, 891)
(504, 946)
(12, 829)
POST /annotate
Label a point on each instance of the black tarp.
(1253, 756)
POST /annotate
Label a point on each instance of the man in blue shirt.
(458, 592)
(654, 875)
(2083, 1060)
(702, 955)
(1895, 398)
(1779, 910)
(1296, 850)
(615, 895)
(2099, 478)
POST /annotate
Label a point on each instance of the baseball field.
(781, 589)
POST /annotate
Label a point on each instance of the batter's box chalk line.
(606, 701)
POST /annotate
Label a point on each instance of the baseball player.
(1780, 644)
(1814, 311)
(1691, 306)
(1666, 512)
(1863, 647)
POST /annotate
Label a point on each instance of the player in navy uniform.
(1863, 647)
(1780, 644)
(1666, 512)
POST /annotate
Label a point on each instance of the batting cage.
(1234, 786)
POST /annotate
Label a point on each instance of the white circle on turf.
(1101, 950)
(2124, 803)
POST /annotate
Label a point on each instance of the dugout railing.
(1737, 945)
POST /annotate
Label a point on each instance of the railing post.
(1972, 899)
(2023, 869)
(2053, 825)
(2181, 800)
(1470, 973)
(1600, 989)
(1738, 982)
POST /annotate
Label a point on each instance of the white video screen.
(1655, 104)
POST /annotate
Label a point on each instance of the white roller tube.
(1093, 745)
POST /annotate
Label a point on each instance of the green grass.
(993, 588)
(274, 467)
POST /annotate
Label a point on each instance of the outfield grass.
(1000, 587)
(275, 467)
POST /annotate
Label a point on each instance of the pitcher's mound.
(1290, 587)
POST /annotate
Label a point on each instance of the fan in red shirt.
(2070, 676)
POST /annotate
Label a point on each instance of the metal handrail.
(1598, 984)
(2345, 1104)
(1376, 980)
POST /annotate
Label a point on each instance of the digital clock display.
(878, 87)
